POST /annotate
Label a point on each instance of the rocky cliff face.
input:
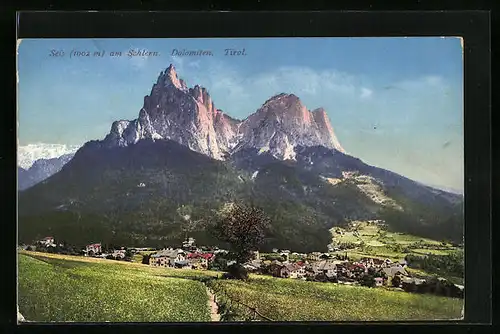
(174, 111)
(284, 123)
(188, 116)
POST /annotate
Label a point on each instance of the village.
(314, 266)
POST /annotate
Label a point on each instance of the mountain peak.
(188, 116)
(170, 69)
(282, 97)
(170, 78)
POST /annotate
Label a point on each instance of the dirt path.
(214, 309)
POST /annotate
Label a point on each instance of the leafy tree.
(243, 228)
(110, 257)
(29, 248)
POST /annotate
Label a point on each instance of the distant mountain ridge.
(28, 154)
(40, 170)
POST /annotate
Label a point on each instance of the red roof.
(198, 255)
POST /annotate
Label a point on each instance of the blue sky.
(395, 103)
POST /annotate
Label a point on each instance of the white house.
(188, 243)
(180, 257)
(167, 258)
(120, 253)
(379, 281)
(94, 248)
(329, 268)
(47, 241)
(314, 256)
(297, 271)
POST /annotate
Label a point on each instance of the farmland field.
(65, 288)
(382, 243)
(294, 300)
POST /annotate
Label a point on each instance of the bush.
(219, 263)
(110, 257)
(409, 287)
(145, 259)
(396, 281)
(321, 277)
(333, 279)
(236, 271)
(367, 280)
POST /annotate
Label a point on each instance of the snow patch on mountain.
(28, 154)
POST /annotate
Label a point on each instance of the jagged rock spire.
(188, 115)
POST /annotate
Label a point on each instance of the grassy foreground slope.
(294, 300)
(56, 288)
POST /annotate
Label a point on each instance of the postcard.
(240, 179)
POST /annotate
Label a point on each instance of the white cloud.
(242, 93)
(194, 64)
(366, 93)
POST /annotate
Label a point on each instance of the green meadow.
(64, 289)
(295, 300)
(58, 288)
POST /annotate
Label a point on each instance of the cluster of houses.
(189, 256)
(342, 270)
(94, 250)
(279, 264)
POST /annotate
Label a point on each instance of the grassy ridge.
(292, 300)
(57, 289)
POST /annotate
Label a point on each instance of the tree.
(243, 228)
(396, 281)
(145, 258)
(367, 280)
(219, 263)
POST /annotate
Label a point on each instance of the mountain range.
(40, 170)
(28, 154)
(183, 157)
